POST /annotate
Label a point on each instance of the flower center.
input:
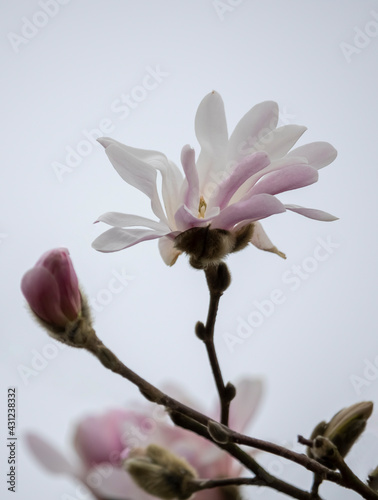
(202, 208)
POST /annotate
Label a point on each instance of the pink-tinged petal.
(259, 120)
(48, 456)
(118, 238)
(168, 251)
(275, 165)
(242, 172)
(98, 439)
(59, 264)
(317, 154)
(278, 142)
(289, 178)
(248, 210)
(245, 404)
(192, 195)
(137, 173)
(186, 220)
(211, 132)
(117, 219)
(261, 240)
(42, 293)
(312, 213)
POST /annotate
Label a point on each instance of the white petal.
(191, 197)
(259, 120)
(48, 456)
(137, 173)
(261, 240)
(317, 154)
(312, 213)
(211, 132)
(172, 177)
(118, 219)
(168, 251)
(278, 142)
(118, 238)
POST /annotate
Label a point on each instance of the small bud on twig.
(218, 432)
(200, 330)
(343, 430)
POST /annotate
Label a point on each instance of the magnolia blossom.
(51, 288)
(232, 183)
(102, 441)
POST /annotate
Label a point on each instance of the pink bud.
(100, 439)
(51, 288)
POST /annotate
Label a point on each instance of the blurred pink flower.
(99, 442)
(233, 182)
(51, 288)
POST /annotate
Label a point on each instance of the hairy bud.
(343, 430)
(160, 473)
(205, 246)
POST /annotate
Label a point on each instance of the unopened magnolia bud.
(204, 245)
(218, 432)
(373, 479)
(160, 473)
(218, 278)
(343, 430)
(52, 290)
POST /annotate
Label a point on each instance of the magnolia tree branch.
(199, 423)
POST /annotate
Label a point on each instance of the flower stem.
(218, 279)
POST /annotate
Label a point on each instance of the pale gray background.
(66, 79)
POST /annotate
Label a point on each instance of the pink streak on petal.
(243, 171)
(192, 196)
(186, 220)
(312, 213)
(289, 178)
(248, 210)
